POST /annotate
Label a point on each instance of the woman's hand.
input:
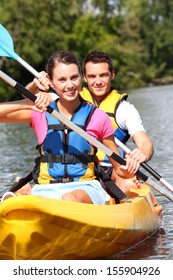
(43, 100)
(41, 83)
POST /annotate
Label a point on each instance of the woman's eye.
(61, 80)
(74, 78)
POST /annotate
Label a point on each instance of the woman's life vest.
(65, 156)
(109, 105)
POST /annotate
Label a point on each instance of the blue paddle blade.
(6, 44)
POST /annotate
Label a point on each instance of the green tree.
(138, 35)
(38, 28)
(157, 33)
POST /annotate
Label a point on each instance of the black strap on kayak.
(110, 187)
(108, 184)
(23, 181)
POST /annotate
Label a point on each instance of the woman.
(66, 168)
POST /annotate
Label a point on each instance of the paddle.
(7, 50)
(23, 181)
(83, 133)
(156, 175)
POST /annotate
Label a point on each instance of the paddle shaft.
(81, 132)
(156, 175)
(31, 70)
(23, 181)
(70, 124)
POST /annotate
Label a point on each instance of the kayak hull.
(38, 228)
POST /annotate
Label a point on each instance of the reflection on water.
(17, 153)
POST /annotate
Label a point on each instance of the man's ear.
(112, 75)
(85, 78)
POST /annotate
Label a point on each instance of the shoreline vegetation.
(162, 81)
(138, 36)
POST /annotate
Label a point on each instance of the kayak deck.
(39, 228)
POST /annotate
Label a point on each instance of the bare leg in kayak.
(77, 196)
(125, 184)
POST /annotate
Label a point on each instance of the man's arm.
(145, 149)
(129, 119)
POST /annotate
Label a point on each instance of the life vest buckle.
(68, 159)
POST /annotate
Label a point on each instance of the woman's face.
(67, 81)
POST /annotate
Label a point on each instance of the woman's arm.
(124, 171)
(17, 111)
(100, 127)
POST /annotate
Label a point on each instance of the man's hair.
(97, 57)
(65, 57)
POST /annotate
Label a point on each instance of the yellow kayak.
(38, 228)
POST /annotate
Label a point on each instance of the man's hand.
(138, 155)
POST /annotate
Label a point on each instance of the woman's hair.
(97, 57)
(65, 57)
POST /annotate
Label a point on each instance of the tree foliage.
(138, 35)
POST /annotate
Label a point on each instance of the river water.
(17, 142)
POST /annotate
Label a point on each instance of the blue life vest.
(65, 155)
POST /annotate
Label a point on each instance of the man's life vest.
(109, 105)
(65, 155)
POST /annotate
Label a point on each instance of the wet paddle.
(156, 175)
(7, 50)
(83, 133)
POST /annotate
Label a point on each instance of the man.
(98, 74)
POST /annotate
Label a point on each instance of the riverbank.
(162, 81)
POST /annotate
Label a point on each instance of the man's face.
(98, 77)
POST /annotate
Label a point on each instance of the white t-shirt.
(128, 118)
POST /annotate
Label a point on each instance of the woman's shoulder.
(100, 114)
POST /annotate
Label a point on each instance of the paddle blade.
(6, 44)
